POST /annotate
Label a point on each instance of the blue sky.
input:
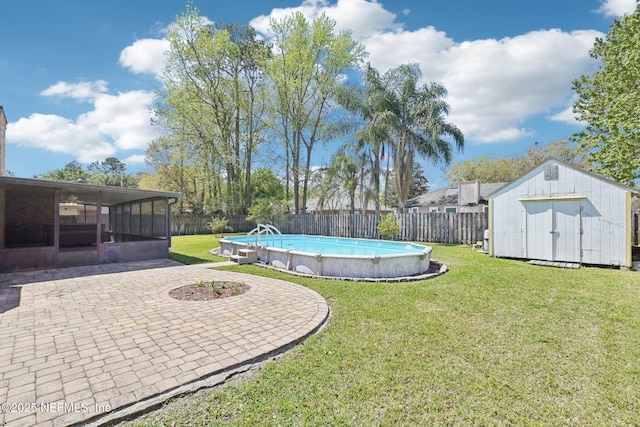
(77, 77)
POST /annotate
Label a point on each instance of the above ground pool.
(333, 256)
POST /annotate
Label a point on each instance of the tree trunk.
(376, 178)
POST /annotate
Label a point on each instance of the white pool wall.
(384, 266)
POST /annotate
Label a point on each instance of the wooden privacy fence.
(451, 228)
(187, 224)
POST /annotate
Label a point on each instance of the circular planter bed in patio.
(205, 291)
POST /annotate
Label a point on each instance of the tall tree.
(212, 95)
(72, 172)
(110, 172)
(419, 183)
(178, 166)
(609, 102)
(305, 70)
(415, 118)
(485, 169)
(489, 168)
(266, 185)
(343, 176)
(564, 150)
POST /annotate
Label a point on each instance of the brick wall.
(29, 220)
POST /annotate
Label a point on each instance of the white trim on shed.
(557, 212)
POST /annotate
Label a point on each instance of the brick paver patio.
(80, 344)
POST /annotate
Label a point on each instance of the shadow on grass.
(186, 259)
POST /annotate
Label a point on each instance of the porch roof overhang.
(110, 195)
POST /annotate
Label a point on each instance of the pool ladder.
(249, 254)
(268, 230)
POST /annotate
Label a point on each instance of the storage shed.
(557, 212)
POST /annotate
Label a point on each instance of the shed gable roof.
(538, 169)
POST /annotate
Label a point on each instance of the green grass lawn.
(491, 342)
(194, 249)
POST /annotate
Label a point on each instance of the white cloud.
(145, 56)
(617, 7)
(117, 122)
(565, 116)
(390, 49)
(136, 159)
(83, 91)
(123, 118)
(57, 134)
(361, 17)
(495, 85)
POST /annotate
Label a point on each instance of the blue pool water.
(332, 245)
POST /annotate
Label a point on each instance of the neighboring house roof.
(448, 196)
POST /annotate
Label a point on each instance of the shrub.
(265, 211)
(389, 227)
(219, 226)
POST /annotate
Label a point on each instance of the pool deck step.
(245, 256)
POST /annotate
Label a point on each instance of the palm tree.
(414, 118)
(367, 103)
(408, 118)
(343, 174)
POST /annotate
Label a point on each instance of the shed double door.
(552, 230)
